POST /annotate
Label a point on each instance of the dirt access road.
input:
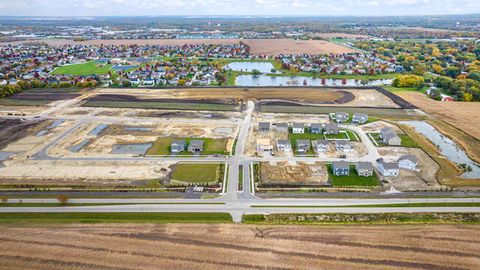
(225, 246)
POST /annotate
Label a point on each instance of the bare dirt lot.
(225, 246)
(300, 173)
(324, 96)
(257, 46)
(458, 114)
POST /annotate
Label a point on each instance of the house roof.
(341, 114)
(284, 142)
(389, 165)
(303, 142)
(316, 125)
(360, 115)
(264, 125)
(342, 143)
(323, 142)
(282, 125)
(298, 125)
(340, 165)
(196, 143)
(364, 166)
(331, 126)
(179, 142)
(410, 158)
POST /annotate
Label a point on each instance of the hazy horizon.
(316, 8)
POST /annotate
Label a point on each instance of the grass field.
(210, 146)
(305, 136)
(407, 141)
(19, 218)
(84, 69)
(353, 180)
(383, 218)
(24, 102)
(198, 173)
(339, 136)
(162, 105)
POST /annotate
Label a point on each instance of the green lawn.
(162, 105)
(19, 218)
(87, 68)
(376, 138)
(339, 136)
(305, 136)
(211, 146)
(408, 142)
(24, 102)
(353, 180)
(198, 173)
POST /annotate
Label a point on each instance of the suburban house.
(195, 146)
(388, 168)
(390, 137)
(315, 128)
(303, 146)
(343, 146)
(332, 129)
(264, 145)
(408, 162)
(364, 169)
(340, 168)
(341, 117)
(322, 145)
(178, 146)
(446, 98)
(264, 126)
(281, 127)
(284, 145)
(298, 128)
(359, 118)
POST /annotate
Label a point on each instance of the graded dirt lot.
(225, 246)
(323, 96)
(257, 46)
(300, 173)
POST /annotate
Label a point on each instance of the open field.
(84, 69)
(376, 112)
(161, 105)
(458, 114)
(257, 46)
(197, 173)
(225, 246)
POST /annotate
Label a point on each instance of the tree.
(256, 72)
(409, 81)
(468, 97)
(63, 199)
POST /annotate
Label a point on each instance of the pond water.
(97, 130)
(133, 149)
(447, 147)
(263, 67)
(264, 80)
(145, 129)
(42, 132)
(76, 148)
(56, 124)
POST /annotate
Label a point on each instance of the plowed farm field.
(227, 246)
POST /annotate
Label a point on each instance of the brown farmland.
(459, 115)
(257, 46)
(226, 246)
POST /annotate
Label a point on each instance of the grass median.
(8, 218)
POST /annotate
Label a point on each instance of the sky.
(236, 7)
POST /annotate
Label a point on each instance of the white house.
(298, 128)
(284, 145)
(408, 162)
(388, 168)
